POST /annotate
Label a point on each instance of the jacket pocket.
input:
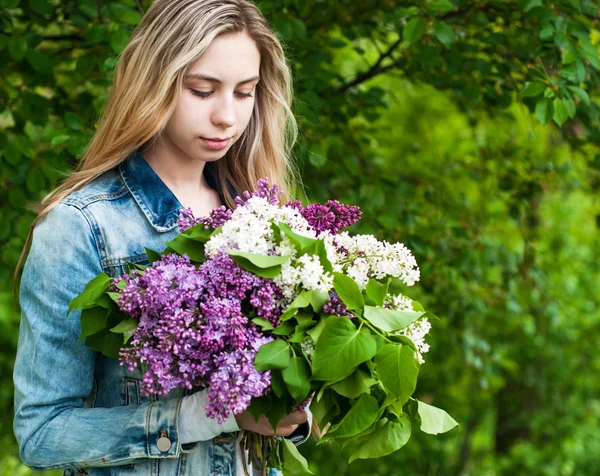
(132, 394)
(132, 391)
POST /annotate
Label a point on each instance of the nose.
(223, 114)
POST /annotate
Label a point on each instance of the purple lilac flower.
(332, 216)
(295, 204)
(263, 191)
(215, 219)
(234, 383)
(192, 331)
(336, 306)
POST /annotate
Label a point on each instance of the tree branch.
(373, 70)
(63, 38)
(140, 6)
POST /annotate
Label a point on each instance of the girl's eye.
(205, 94)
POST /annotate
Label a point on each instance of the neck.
(177, 169)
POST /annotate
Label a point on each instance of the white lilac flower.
(308, 347)
(417, 331)
(250, 229)
(381, 259)
(312, 274)
(358, 270)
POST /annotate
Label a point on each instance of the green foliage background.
(468, 130)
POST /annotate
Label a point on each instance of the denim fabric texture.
(75, 408)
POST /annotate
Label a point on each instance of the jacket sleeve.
(193, 429)
(54, 373)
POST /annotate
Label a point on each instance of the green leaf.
(300, 242)
(93, 292)
(41, 7)
(560, 111)
(17, 47)
(340, 348)
(184, 245)
(302, 300)
(397, 369)
(297, 378)
(568, 56)
(114, 296)
(360, 417)
(35, 180)
(93, 320)
(581, 93)
(284, 329)
(277, 410)
(274, 355)
(57, 140)
(435, 420)
(400, 339)
(262, 265)
(543, 110)
(527, 5)
(348, 291)
(119, 39)
(263, 323)
(377, 291)
(125, 327)
(318, 299)
(439, 6)
(391, 436)
(10, 3)
(414, 29)
(298, 337)
(570, 105)
(315, 332)
(355, 384)
(390, 320)
(152, 255)
(105, 342)
(325, 408)
(533, 89)
(293, 461)
(443, 32)
(261, 261)
(39, 61)
(298, 27)
(73, 120)
(277, 383)
(260, 406)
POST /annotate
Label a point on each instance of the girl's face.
(217, 98)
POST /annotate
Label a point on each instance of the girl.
(198, 110)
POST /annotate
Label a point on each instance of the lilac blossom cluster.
(336, 306)
(192, 331)
(215, 219)
(331, 216)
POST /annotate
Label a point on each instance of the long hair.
(146, 87)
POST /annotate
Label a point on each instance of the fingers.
(295, 418)
(286, 430)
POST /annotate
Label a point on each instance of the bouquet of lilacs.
(268, 306)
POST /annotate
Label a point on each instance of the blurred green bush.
(467, 130)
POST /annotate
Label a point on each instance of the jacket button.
(163, 444)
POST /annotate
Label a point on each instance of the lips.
(215, 144)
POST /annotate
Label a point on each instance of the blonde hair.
(146, 87)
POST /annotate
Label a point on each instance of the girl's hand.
(286, 426)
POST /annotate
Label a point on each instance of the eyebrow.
(215, 80)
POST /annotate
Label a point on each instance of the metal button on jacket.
(163, 443)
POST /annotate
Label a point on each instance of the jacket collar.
(155, 199)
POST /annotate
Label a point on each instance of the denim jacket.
(74, 407)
